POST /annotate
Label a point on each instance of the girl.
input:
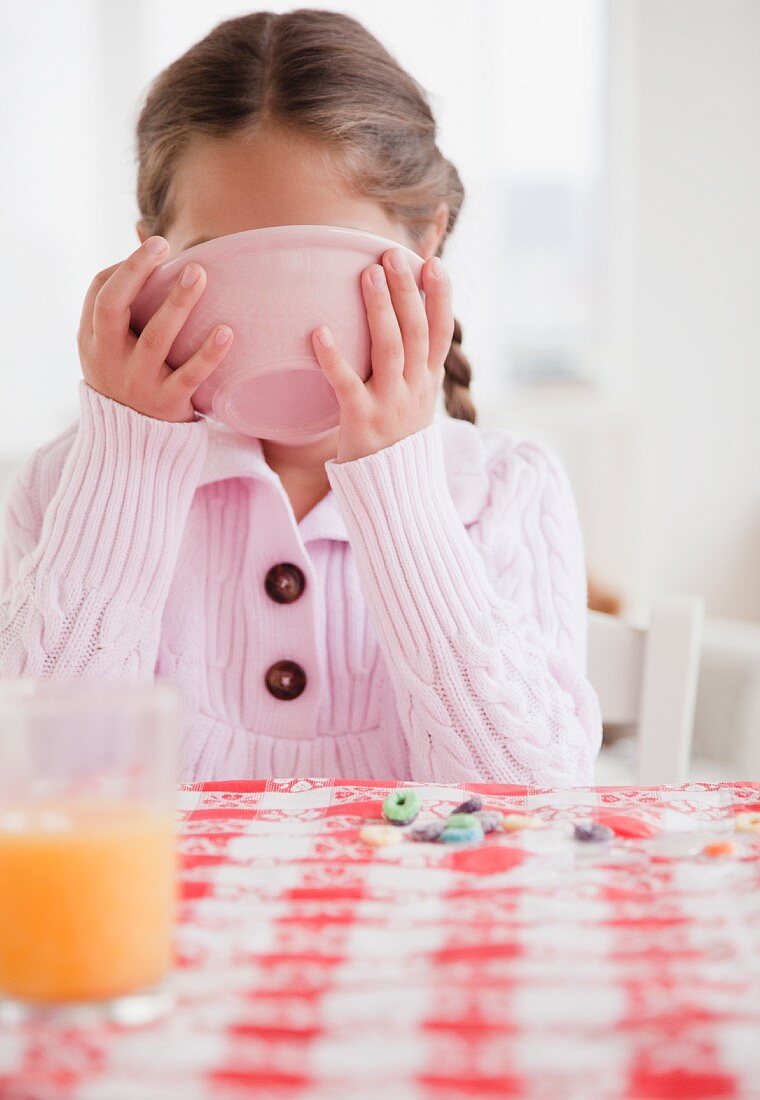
(405, 598)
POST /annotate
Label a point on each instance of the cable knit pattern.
(86, 572)
(484, 630)
(442, 627)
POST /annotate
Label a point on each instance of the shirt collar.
(233, 454)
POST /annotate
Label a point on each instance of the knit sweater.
(441, 628)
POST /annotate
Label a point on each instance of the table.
(312, 966)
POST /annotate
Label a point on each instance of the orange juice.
(87, 898)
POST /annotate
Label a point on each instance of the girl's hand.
(410, 341)
(133, 370)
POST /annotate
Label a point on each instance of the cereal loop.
(510, 823)
(462, 829)
(593, 832)
(719, 848)
(401, 806)
(427, 831)
(380, 836)
(489, 819)
(471, 806)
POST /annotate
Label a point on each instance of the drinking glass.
(88, 866)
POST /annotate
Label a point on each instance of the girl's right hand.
(133, 369)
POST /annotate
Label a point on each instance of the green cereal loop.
(462, 829)
(401, 806)
(463, 821)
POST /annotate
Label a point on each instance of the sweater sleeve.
(484, 632)
(91, 536)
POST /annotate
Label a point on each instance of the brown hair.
(321, 74)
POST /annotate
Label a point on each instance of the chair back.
(646, 678)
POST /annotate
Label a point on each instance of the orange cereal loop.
(719, 848)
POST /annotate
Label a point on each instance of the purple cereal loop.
(593, 832)
(489, 819)
(428, 830)
(471, 806)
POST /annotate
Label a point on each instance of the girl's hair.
(319, 74)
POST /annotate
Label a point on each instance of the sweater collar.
(233, 454)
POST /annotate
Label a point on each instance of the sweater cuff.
(423, 573)
(117, 517)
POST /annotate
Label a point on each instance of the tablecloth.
(311, 966)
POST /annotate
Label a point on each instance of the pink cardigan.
(440, 633)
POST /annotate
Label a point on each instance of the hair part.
(322, 75)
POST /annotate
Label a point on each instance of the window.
(548, 168)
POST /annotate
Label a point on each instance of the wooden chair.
(646, 679)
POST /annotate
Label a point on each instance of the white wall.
(697, 306)
(665, 456)
(51, 219)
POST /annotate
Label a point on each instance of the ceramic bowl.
(274, 286)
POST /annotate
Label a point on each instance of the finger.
(439, 312)
(345, 382)
(110, 315)
(203, 362)
(409, 308)
(387, 350)
(85, 320)
(156, 339)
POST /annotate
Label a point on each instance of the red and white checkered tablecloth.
(535, 966)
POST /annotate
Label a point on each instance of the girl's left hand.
(410, 342)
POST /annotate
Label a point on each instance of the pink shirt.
(440, 634)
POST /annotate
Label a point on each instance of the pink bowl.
(274, 286)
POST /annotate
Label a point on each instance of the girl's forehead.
(227, 185)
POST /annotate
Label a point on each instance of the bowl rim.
(279, 236)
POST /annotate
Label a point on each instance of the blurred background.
(606, 264)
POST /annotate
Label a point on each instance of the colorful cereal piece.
(510, 823)
(471, 806)
(628, 826)
(428, 830)
(747, 823)
(380, 836)
(719, 848)
(400, 807)
(462, 829)
(593, 832)
(489, 819)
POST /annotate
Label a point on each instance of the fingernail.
(325, 337)
(377, 276)
(436, 268)
(189, 276)
(223, 334)
(156, 245)
(397, 259)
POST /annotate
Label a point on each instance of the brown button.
(285, 679)
(285, 582)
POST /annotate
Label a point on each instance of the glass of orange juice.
(88, 871)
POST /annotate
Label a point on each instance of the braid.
(456, 382)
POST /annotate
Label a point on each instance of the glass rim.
(32, 695)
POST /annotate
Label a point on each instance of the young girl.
(405, 598)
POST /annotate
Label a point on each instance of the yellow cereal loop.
(510, 823)
(747, 822)
(381, 836)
